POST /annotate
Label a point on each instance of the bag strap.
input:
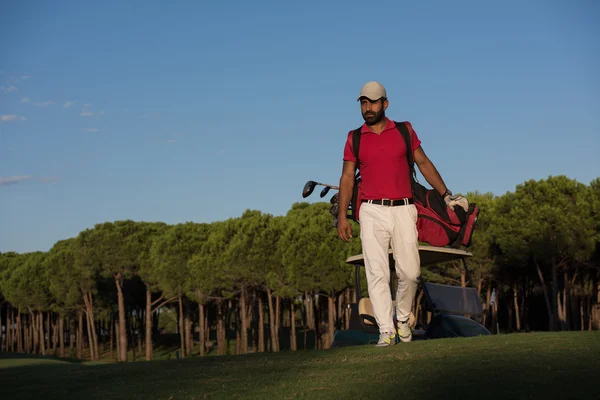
(409, 153)
(356, 143)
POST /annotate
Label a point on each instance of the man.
(387, 213)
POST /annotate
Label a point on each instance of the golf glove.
(454, 200)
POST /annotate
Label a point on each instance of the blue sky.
(195, 111)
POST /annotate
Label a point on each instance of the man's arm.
(345, 196)
(429, 171)
(346, 188)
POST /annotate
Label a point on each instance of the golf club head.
(334, 210)
(309, 187)
(335, 198)
(324, 191)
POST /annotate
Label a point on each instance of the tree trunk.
(139, 334)
(221, 332)
(293, 345)
(546, 297)
(201, 329)
(50, 332)
(111, 331)
(237, 337)
(181, 327)
(54, 328)
(495, 314)
(272, 322)
(244, 318)
(509, 309)
(117, 338)
(555, 310)
(61, 335)
(8, 328)
(72, 332)
(26, 334)
(559, 307)
(567, 302)
(310, 317)
(90, 339)
(261, 325)
(516, 304)
(188, 334)
(93, 339)
(80, 335)
(581, 314)
(524, 306)
(123, 347)
(331, 320)
(148, 337)
(277, 320)
(589, 310)
(43, 340)
(488, 298)
(33, 321)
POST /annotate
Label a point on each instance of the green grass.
(516, 366)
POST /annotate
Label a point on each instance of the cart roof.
(428, 254)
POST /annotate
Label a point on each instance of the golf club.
(309, 187)
(335, 198)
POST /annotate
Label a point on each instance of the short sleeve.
(348, 151)
(414, 138)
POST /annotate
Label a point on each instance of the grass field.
(517, 366)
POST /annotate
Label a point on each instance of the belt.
(391, 203)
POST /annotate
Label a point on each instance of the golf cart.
(456, 311)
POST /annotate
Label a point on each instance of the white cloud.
(25, 77)
(13, 179)
(24, 99)
(68, 104)
(8, 89)
(12, 117)
(91, 130)
(43, 103)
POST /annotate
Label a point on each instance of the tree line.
(260, 282)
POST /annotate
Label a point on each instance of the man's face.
(373, 111)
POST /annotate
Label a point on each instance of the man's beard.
(372, 118)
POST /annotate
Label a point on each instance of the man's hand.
(344, 229)
(452, 200)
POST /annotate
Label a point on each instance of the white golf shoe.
(386, 339)
(404, 331)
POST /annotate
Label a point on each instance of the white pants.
(381, 226)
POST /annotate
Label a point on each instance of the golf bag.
(437, 224)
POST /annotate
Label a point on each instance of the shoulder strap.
(356, 144)
(409, 153)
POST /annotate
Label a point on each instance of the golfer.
(388, 215)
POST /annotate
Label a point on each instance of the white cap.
(373, 91)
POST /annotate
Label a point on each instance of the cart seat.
(365, 311)
(367, 317)
(455, 300)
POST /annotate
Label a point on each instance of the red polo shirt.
(383, 164)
